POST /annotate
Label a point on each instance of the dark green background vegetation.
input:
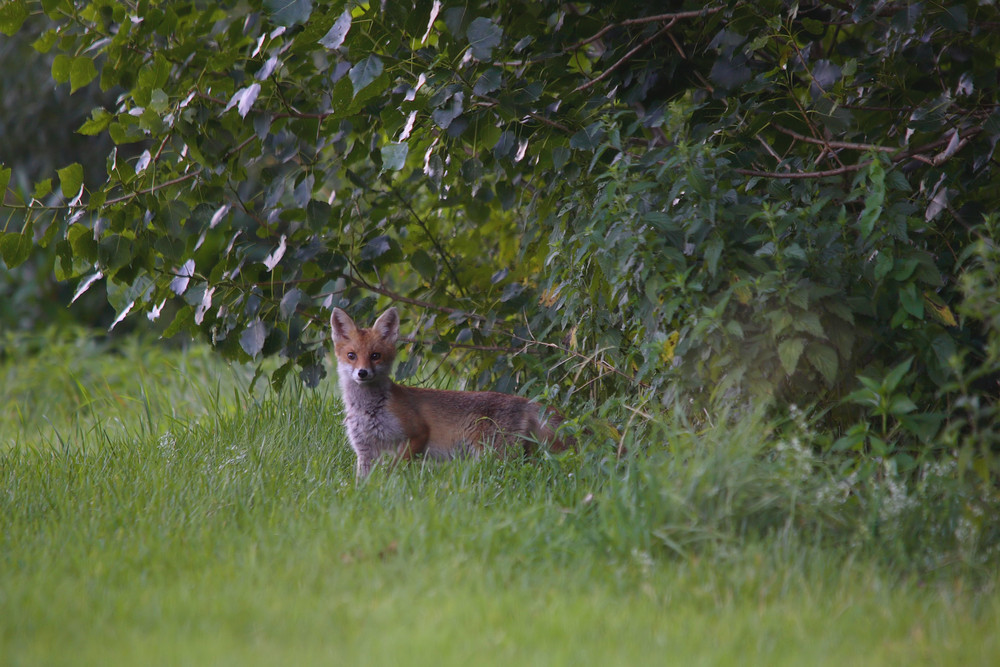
(620, 206)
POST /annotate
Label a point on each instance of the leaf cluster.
(730, 199)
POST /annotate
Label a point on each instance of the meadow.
(154, 509)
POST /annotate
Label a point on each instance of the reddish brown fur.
(382, 416)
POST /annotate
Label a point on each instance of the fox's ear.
(342, 327)
(387, 325)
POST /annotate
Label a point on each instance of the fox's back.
(460, 420)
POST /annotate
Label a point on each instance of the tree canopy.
(785, 201)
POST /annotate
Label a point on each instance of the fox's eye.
(352, 356)
(376, 356)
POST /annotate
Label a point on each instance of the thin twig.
(628, 56)
(846, 145)
(698, 13)
(914, 154)
(805, 174)
(152, 189)
(445, 257)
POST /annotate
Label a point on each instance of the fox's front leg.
(363, 466)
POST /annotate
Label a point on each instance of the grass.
(178, 518)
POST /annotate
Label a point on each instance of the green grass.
(179, 519)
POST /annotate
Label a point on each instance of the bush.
(759, 201)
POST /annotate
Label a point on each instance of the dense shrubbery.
(738, 200)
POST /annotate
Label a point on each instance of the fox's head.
(364, 355)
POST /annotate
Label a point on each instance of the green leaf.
(488, 82)
(279, 375)
(434, 169)
(290, 302)
(824, 359)
(883, 265)
(12, 16)
(377, 247)
(444, 116)
(712, 254)
(289, 12)
(71, 180)
(4, 180)
(336, 35)
(61, 65)
(589, 138)
(98, 122)
(81, 72)
(158, 101)
(472, 170)
(955, 18)
(113, 252)
(484, 36)
(901, 405)
(911, 301)
(896, 375)
(183, 319)
(874, 200)
(730, 71)
(424, 265)
(252, 338)
(63, 269)
(15, 248)
(45, 43)
(852, 441)
(810, 323)
(789, 352)
(878, 446)
(394, 156)
(865, 397)
(365, 72)
(560, 156)
(82, 241)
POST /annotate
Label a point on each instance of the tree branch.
(674, 17)
(628, 56)
(794, 175)
(951, 147)
(833, 144)
(153, 188)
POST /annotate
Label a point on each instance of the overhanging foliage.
(732, 198)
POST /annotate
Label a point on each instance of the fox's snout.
(363, 375)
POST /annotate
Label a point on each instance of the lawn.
(155, 510)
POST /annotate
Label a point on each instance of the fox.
(382, 417)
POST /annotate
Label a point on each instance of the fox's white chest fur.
(372, 429)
